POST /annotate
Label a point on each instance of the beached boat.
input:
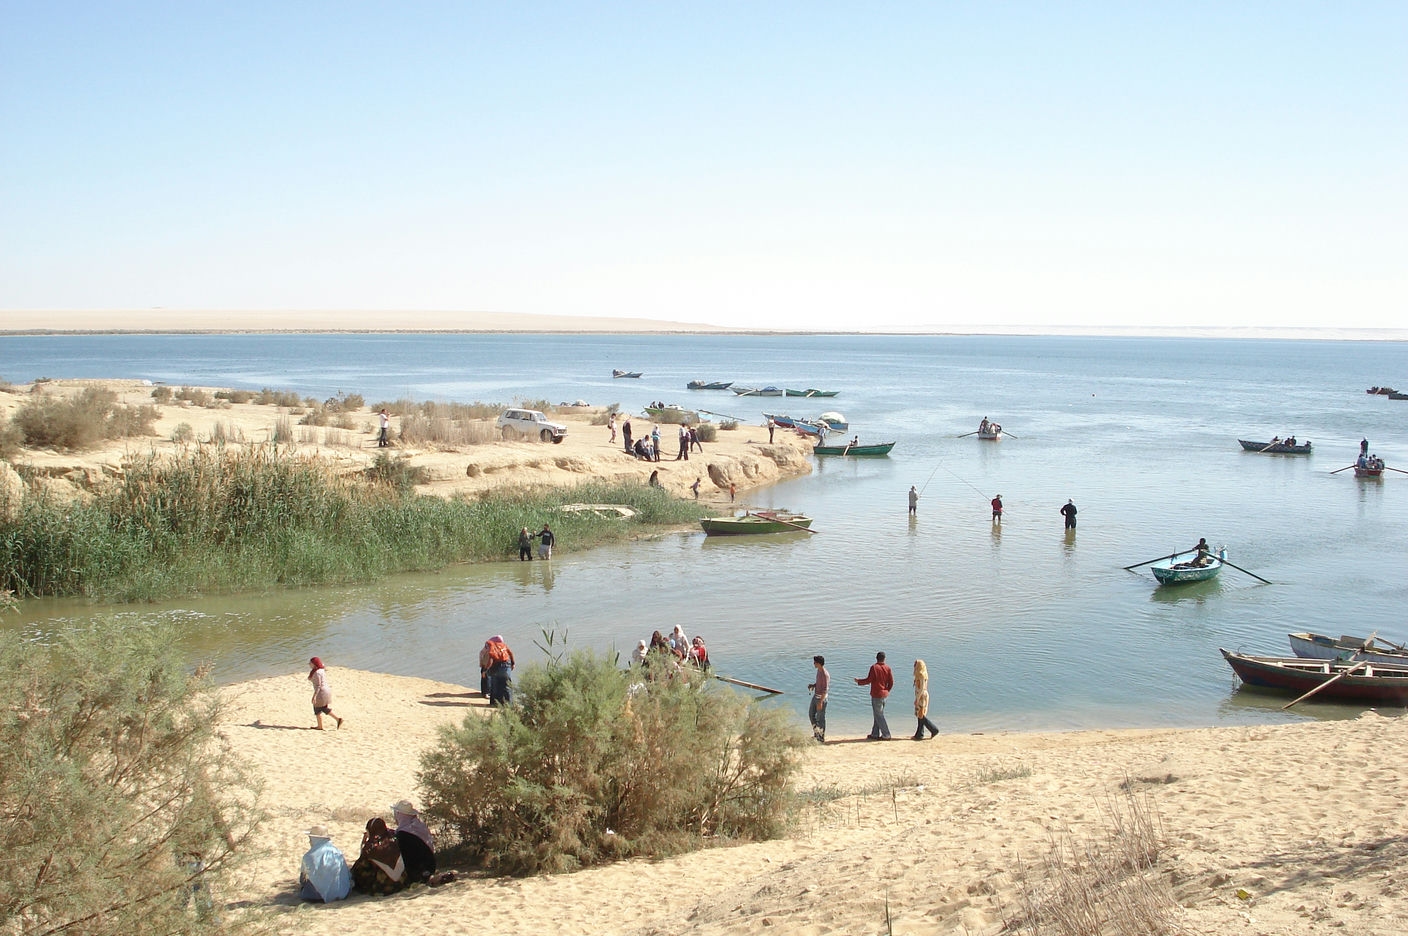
(1358, 681)
(757, 391)
(877, 448)
(1188, 567)
(1320, 647)
(809, 392)
(834, 421)
(621, 373)
(759, 521)
(671, 414)
(1275, 448)
(709, 384)
(805, 426)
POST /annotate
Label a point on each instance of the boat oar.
(1270, 445)
(1131, 568)
(1252, 574)
(1345, 468)
(1399, 470)
(746, 685)
(967, 434)
(1005, 432)
(1343, 673)
(776, 519)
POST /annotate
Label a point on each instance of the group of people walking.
(881, 680)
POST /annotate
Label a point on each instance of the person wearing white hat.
(324, 875)
(416, 842)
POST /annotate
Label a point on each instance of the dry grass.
(1104, 884)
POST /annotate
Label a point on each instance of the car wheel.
(508, 433)
(545, 435)
(557, 440)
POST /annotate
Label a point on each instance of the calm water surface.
(1022, 625)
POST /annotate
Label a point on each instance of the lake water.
(1022, 626)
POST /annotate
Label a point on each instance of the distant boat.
(991, 435)
(809, 392)
(1188, 567)
(1386, 391)
(709, 384)
(1395, 395)
(1367, 472)
(1359, 681)
(1275, 448)
(671, 414)
(878, 448)
(621, 373)
(757, 391)
(1320, 647)
(834, 421)
(762, 521)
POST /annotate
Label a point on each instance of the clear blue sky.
(819, 165)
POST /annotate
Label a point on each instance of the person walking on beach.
(626, 434)
(771, 426)
(611, 424)
(816, 709)
(695, 487)
(655, 442)
(997, 509)
(525, 545)
(1069, 512)
(694, 442)
(322, 694)
(545, 541)
(921, 702)
(501, 665)
(383, 439)
(881, 680)
(684, 444)
(913, 500)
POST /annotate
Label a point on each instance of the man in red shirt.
(880, 680)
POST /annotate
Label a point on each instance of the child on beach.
(322, 694)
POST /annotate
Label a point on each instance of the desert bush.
(11, 440)
(318, 416)
(162, 394)
(283, 430)
(223, 433)
(80, 421)
(234, 396)
(542, 406)
(604, 417)
(396, 472)
(267, 397)
(345, 402)
(344, 421)
(195, 396)
(707, 432)
(182, 432)
(444, 431)
(430, 409)
(1106, 883)
(591, 765)
(122, 810)
(728, 425)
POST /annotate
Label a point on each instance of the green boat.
(879, 448)
(809, 392)
(763, 521)
(1191, 566)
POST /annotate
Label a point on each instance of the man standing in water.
(880, 680)
(913, 500)
(997, 509)
(1069, 512)
(816, 710)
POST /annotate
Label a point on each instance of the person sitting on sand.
(416, 843)
(379, 869)
(323, 874)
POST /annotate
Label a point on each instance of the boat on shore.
(1359, 681)
(1275, 447)
(621, 373)
(1311, 646)
(757, 391)
(671, 414)
(1191, 566)
(809, 392)
(834, 421)
(709, 384)
(872, 449)
(756, 521)
(804, 426)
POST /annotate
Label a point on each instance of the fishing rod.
(967, 482)
(930, 478)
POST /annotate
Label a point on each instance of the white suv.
(527, 423)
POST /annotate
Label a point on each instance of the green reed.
(226, 520)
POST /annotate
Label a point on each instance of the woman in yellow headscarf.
(921, 702)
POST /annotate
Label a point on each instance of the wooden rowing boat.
(709, 384)
(762, 521)
(809, 392)
(1188, 567)
(1369, 683)
(757, 391)
(1321, 647)
(621, 373)
(1275, 448)
(878, 448)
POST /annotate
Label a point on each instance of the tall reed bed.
(224, 520)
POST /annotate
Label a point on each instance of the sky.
(819, 165)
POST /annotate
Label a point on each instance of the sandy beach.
(1267, 830)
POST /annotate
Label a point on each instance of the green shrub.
(162, 394)
(11, 440)
(345, 402)
(267, 397)
(122, 811)
(195, 396)
(707, 432)
(728, 425)
(397, 472)
(234, 396)
(590, 765)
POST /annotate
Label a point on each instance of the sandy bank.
(1305, 819)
